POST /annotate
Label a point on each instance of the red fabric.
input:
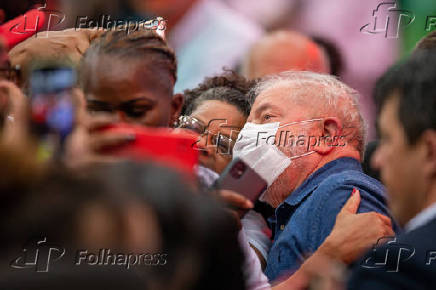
(23, 27)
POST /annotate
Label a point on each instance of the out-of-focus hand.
(237, 203)
(318, 272)
(68, 44)
(14, 108)
(353, 234)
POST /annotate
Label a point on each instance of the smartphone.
(239, 177)
(162, 145)
(52, 110)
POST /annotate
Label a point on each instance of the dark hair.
(67, 276)
(135, 44)
(198, 236)
(229, 87)
(336, 60)
(370, 149)
(414, 82)
(427, 42)
(197, 233)
(50, 206)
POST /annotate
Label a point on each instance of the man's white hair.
(322, 94)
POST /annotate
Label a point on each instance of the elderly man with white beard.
(305, 136)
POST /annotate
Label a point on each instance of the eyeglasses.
(224, 145)
(10, 73)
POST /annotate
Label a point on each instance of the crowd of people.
(112, 155)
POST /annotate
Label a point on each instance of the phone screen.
(52, 111)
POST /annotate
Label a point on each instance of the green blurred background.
(416, 30)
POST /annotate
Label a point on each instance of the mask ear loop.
(302, 155)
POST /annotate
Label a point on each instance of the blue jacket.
(307, 216)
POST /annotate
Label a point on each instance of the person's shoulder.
(331, 194)
(421, 237)
(405, 262)
(354, 177)
(344, 182)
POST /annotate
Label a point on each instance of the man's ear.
(331, 136)
(176, 108)
(429, 142)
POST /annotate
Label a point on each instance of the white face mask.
(266, 159)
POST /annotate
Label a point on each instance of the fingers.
(386, 220)
(381, 224)
(80, 107)
(101, 141)
(16, 98)
(353, 202)
(15, 133)
(235, 200)
(99, 121)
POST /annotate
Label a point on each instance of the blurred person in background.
(199, 236)
(406, 158)
(127, 208)
(366, 54)
(207, 35)
(428, 42)
(283, 51)
(334, 55)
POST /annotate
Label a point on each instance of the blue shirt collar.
(312, 182)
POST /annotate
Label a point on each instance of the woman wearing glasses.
(216, 110)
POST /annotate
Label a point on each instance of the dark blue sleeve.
(330, 198)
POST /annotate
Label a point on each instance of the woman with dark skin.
(125, 78)
(217, 110)
(131, 76)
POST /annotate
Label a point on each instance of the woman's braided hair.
(135, 44)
